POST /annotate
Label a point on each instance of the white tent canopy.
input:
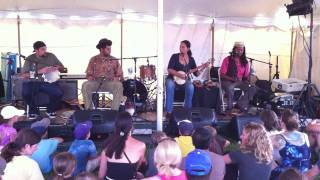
(231, 9)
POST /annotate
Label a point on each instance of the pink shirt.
(6, 134)
(182, 176)
(242, 71)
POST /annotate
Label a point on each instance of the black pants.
(31, 89)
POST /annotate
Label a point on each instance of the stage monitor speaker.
(199, 116)
(239, 122)
(102, 120)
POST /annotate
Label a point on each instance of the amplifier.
(284, 100)
(288, 85)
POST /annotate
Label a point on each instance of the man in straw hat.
(234, 73)
(103, 73)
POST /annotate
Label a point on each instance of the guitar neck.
(196, 69)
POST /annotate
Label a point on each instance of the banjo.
(181, 81)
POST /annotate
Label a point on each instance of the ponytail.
(9, 151)
(189, 53)
(115, 143)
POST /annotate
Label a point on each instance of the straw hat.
(238, 44)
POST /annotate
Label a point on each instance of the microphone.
(24, 57)
(269, 53)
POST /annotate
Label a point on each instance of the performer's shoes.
(52, 115)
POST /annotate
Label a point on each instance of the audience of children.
(122, 154)
(194, 155)
(46, 147)
(184, 140)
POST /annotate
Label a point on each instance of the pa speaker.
(102, 120)
(199, 116)
(239, 122)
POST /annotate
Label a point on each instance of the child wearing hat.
(8, 133)
(46, 147)
(82, 148)
(198, 165)
(184, 140)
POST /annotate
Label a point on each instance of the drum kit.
(140, 91)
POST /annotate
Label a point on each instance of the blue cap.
(82, 129)
(198, 163)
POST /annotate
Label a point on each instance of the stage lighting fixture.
(299, 7)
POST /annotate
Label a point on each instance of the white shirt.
(22, 168)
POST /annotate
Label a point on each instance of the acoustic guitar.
(181, 81)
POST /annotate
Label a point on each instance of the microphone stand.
(268, 63)
(276, 75)
(96, 93)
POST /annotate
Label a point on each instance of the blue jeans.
(31, 89)
(170, 89)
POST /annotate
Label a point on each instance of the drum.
(147, 72)
(135, 91)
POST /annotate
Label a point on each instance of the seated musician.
(103, 73)
(43, 62)
(180, 65)
(234, 73)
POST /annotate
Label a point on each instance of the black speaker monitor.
(102, 120)
(199, 116)
(239, 122)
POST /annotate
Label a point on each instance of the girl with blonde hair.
(167, 158)
(255, 155)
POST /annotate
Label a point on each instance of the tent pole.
(212, 41)
(160, 66)
(19, 42)
(291, 46)
(121, 39)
